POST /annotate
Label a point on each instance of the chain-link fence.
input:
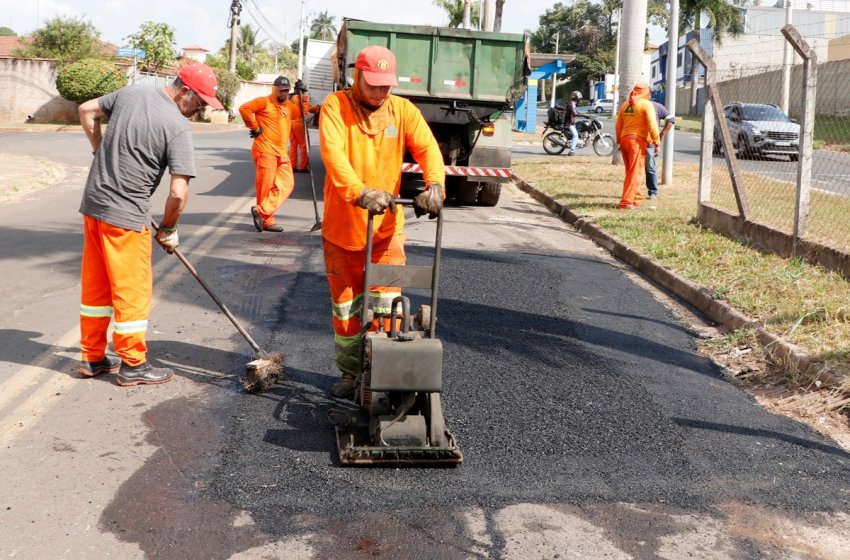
(797, 185)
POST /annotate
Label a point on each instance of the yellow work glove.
(375, 201)
(429, 202)
(167, 239)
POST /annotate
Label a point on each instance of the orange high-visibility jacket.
(355, 161)
(275, 119)
(638, 119)
(296, 111)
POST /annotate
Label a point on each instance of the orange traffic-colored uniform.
(636, 128)
(298, 149)
(356, 160)
(274, 180)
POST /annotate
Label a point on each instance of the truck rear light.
(487, 129)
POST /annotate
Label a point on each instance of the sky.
(204, 22)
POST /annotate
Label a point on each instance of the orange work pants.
(116, 281)
(634, 158)
(298, 146)
(274, 183)
(345, 277)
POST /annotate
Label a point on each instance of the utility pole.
(555, 76)
(467, 14)
(787, 58)
(235, 10)
(616, 87)
(670, 92)
(301, 44)
(488, 18)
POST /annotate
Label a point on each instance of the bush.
(228, 87)
(88, 79)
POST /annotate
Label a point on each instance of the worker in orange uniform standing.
(364, 132)
(297, 137)
(147, 132)
(269, 119)
(636, 129)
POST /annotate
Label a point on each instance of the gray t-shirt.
(146, 133)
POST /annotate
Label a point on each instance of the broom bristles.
(263, 372)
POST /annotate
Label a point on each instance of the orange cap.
(377, 64)
(201, 79)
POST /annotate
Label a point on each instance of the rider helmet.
(575, 96)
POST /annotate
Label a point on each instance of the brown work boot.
(142, 374)
(344, 389)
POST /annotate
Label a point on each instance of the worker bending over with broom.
(364, 132)
(147, 132)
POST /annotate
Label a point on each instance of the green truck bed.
(440, 62)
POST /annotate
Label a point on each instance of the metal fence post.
(807, 126)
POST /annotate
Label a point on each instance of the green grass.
(806, 305)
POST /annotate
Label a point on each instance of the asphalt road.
(590, 426)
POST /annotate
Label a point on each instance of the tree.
(323, 27)
(157, 40)
(63, 39)
(454, 9)
(247, 44)
(6, 32)
(723, 18)
(88, 79)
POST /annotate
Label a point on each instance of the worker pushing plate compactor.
(399, 416)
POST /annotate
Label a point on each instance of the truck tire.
(489, 194)
(467, 193)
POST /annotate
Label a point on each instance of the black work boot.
(108, 364)
(142, 374)
(344, 389)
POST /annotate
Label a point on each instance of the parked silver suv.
(758, 130)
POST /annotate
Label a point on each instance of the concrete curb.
(788, 356)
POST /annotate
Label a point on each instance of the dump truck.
(465, 83)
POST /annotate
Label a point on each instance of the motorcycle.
(589, 131)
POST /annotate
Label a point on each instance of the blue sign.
(130, 52)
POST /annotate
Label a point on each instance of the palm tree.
(247, 44)
(454, 9)
(323, 27)
(723, 18)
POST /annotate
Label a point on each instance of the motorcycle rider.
(570, 119)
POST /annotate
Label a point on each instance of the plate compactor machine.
(399, 417)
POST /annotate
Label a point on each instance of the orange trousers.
(633, 149)
(116, 281)
(345, 277)
(298, 146)
(273, 184)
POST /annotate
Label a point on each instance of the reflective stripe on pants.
(116, 282)
(345, 278)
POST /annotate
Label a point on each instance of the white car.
(602, 105)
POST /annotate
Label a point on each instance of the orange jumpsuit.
(355, 161)
(274, 180)
(636, 128)
(297, 140)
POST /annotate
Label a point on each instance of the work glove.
(375, 201)
(167, 239)
(256, 132)
(429, 202)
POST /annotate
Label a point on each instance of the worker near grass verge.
(636, 129)
(147, 132)
(269, 120)
(668, 120)
(364, 132)
(299, 155)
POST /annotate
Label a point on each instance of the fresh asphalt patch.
(564, 383)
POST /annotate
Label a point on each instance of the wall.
(28, 93)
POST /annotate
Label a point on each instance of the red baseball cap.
(377, 65)
(201, 79)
